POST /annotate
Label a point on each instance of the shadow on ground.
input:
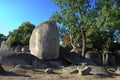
(111, 75)
(6, 73)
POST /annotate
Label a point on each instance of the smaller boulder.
(12, 49)
(94, 56)
(18, 48)
(84, 70)
(98, 70)
(49, 70)
(118, 70)
(25, 49)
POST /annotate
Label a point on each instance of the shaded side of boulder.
(14, 59)
(1, 69)
(117, 56)
(43, 64)
(94, 56)
(44, 41)
(73, 58)
(111, 60)
(84, 70)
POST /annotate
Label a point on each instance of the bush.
(21, 35)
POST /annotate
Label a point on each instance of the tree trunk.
(105, 59)
(83, 42)
(71, 41)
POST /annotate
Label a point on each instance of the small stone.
(25, 49)
(84, 70)
(49, 70)
(70, 69)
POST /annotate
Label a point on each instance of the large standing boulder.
(44, 41)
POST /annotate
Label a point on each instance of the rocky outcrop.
(14, 59)
(86, 70)
(44, 41)
(5, 46)
(76, 59)
(26, 60)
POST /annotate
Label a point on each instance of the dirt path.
(39, 74)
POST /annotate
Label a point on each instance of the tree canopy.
(21, 35)
(88, 21)
(2, 38)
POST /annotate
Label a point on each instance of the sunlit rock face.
(44, 41)
(4, 46)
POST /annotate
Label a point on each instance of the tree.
(2, 38)
(76, 16)
(108, 21)
(66, 40)
(21, 35)
(109, 16)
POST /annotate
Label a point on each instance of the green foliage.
(92, 20)
(75, 16)
(109, 16)
(108, 20)
(118, 37)
(21, 35)
(66, 40)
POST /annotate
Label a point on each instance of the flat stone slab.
(70, 69)
(98, 70)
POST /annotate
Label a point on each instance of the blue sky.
(14, 12)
